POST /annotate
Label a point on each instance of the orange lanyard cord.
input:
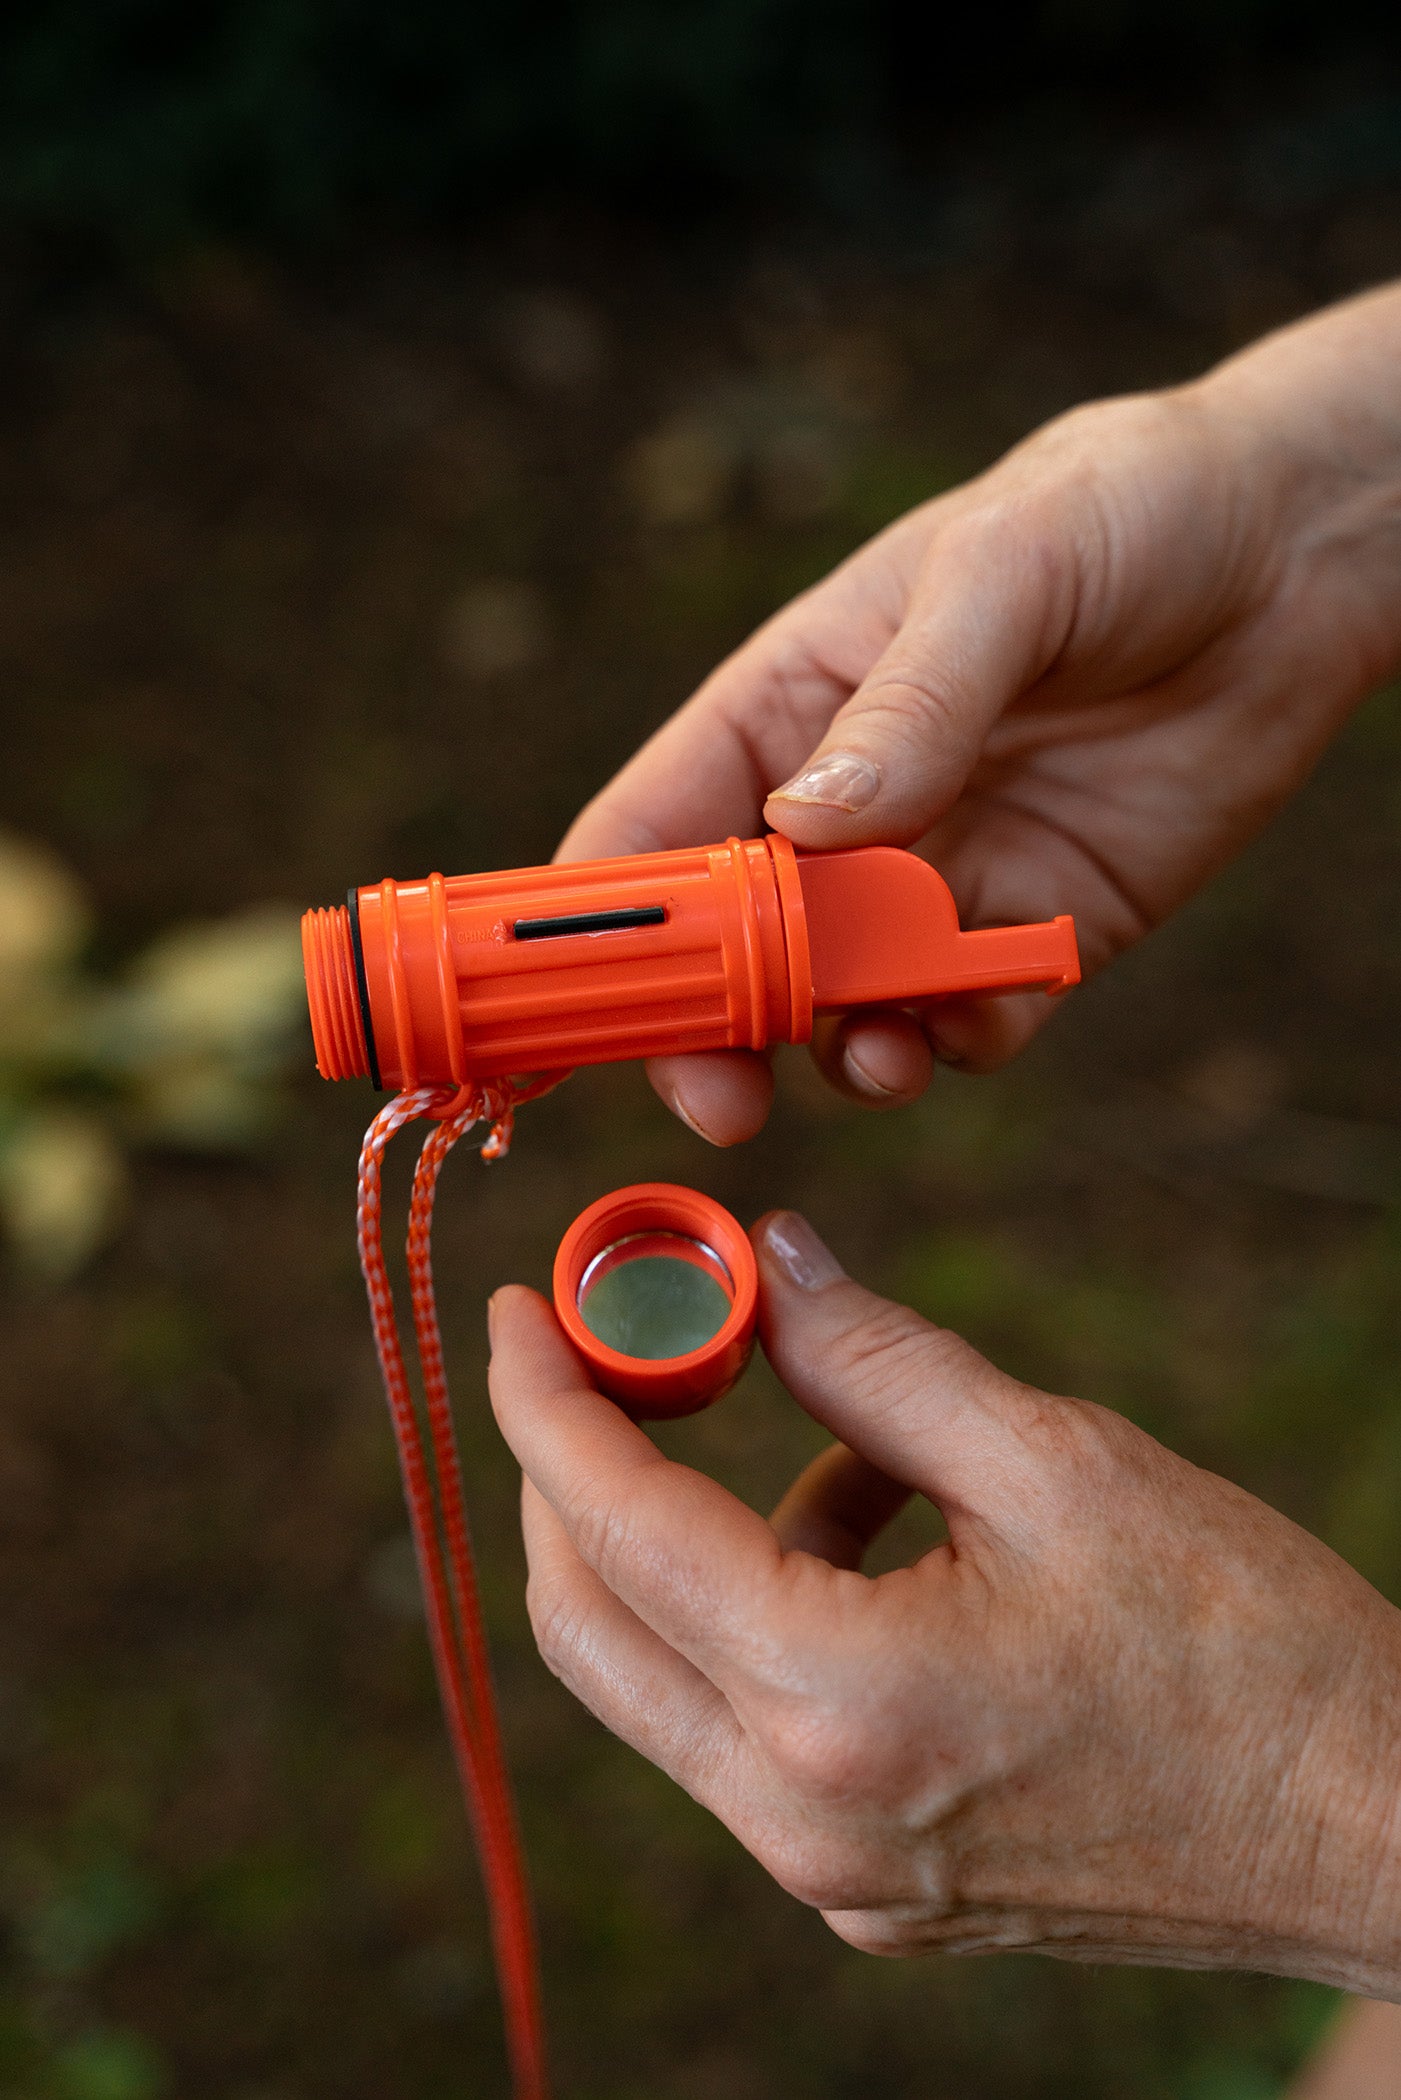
(451, 1599)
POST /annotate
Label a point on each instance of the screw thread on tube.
(337, 1027)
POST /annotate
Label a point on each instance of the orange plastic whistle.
(463, 977)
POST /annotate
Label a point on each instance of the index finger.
(706, 773)
(686, 1556)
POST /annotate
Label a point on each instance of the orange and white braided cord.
(442, 1541)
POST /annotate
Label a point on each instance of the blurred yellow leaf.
(189, 1049)
(203, 1102)
(43, 913)
(44, 1020)
(62, 1181)
(231, 986)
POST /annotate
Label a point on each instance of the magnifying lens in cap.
(656, 1287)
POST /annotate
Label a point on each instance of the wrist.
(1343, 1861)
(1312, 419)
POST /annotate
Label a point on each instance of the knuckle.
(905, 706)
(1079, 1438)
(816, 1873)
(821, 1754)
(1077, 1455)
(558, 1627)
(890, 1347)
(603, 1530)
(871, 1932)
(796, 679)
(1079, 430)
(884, 1334)
(1053, 1426)
(1082, 432)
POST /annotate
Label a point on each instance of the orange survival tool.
(466, 977)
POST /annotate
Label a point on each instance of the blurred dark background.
(401, 410)
(138, 123)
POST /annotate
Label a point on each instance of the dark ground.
(313, 580)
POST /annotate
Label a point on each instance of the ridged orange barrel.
(471, 976)
(463, 977)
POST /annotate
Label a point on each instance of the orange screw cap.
(639, 1223)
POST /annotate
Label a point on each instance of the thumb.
(912, 1399)
(990, 609)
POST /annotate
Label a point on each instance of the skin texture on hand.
(1079, 683)
(1359, 2060)
(1126, 1713)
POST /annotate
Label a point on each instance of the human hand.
(1126, 1713)
(1079, 683)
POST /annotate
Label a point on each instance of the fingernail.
(838, 780)
(491, 1320)
(685, 1116)
(862, 1080)
(946, 1053)
(803, 1257)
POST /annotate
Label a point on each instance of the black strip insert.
(590, 922)
(362, 986)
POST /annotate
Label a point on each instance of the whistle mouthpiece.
(468, 977)
(883, 930)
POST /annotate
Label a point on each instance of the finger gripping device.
(465, 977)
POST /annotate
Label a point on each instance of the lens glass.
(656, 1294)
